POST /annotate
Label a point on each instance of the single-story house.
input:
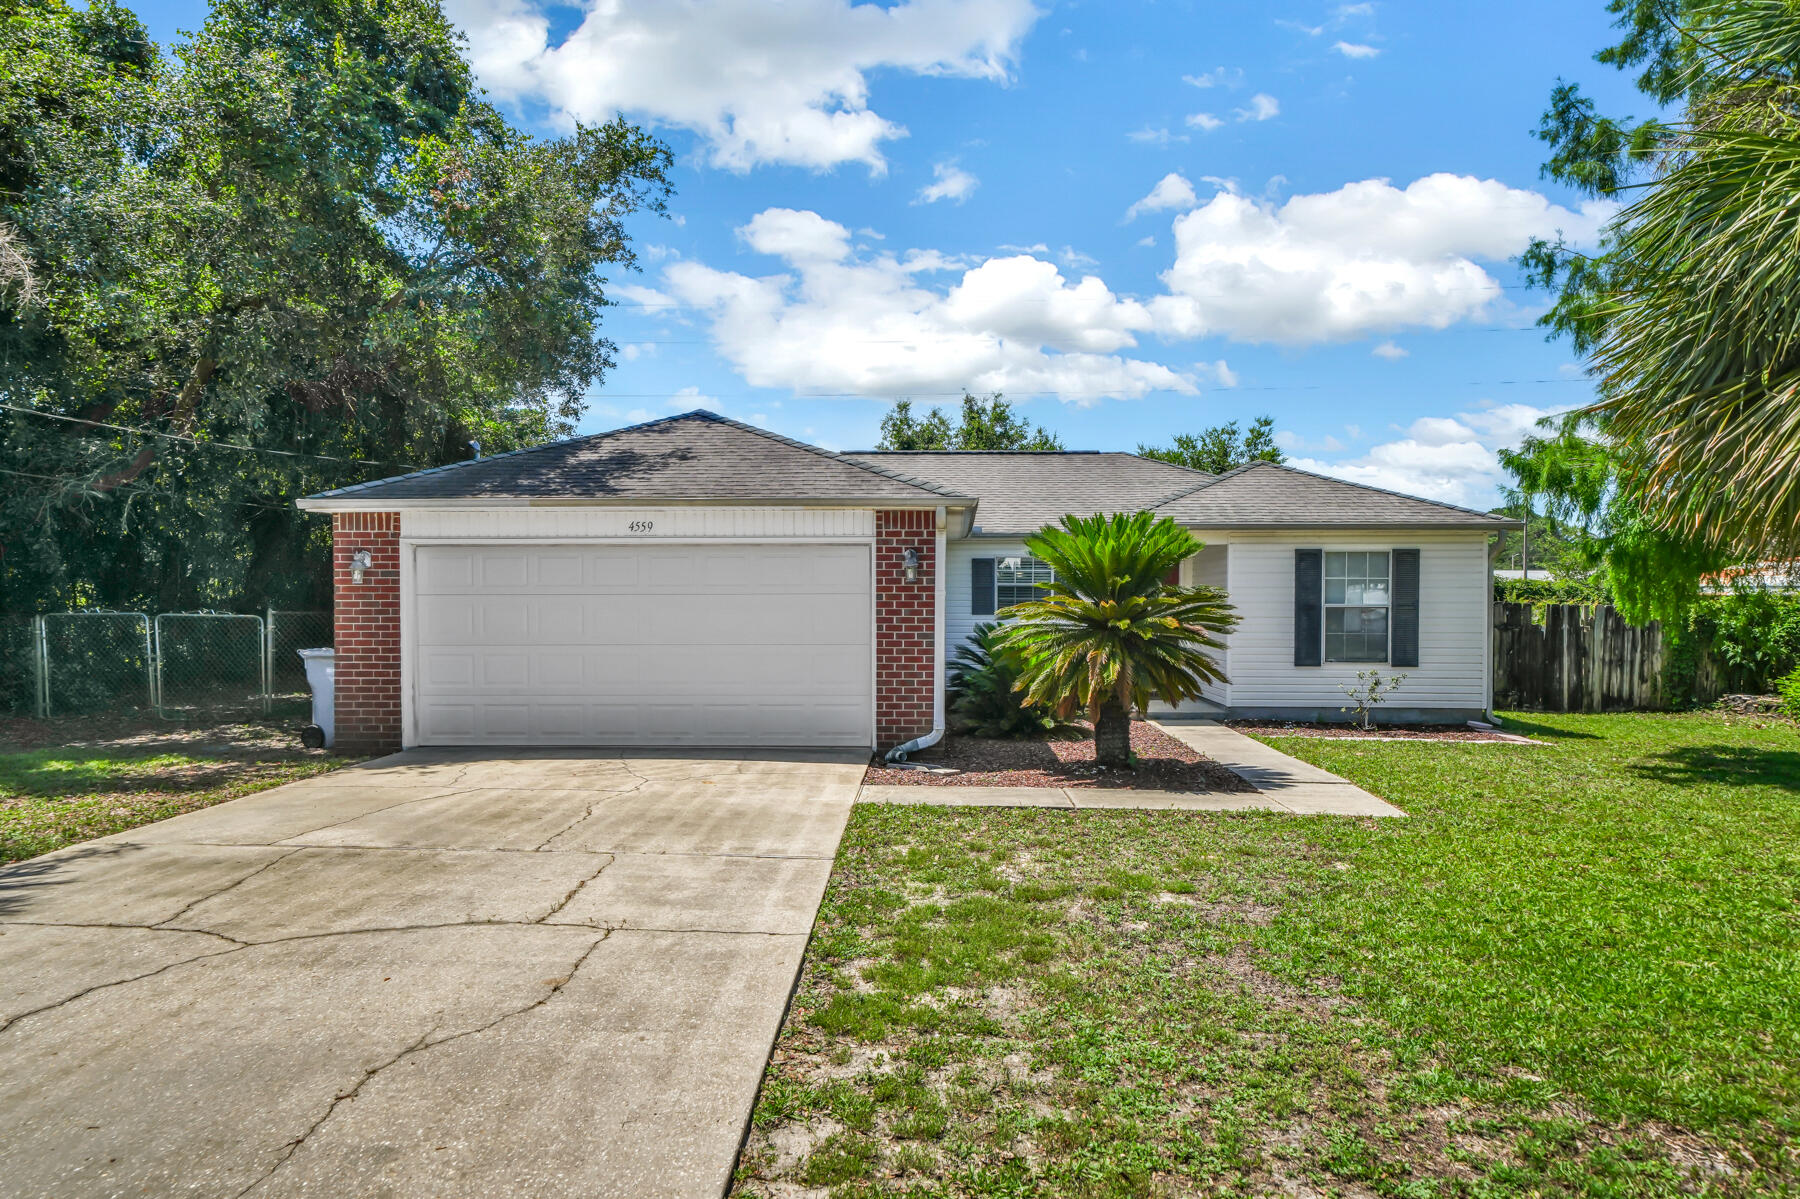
(699, 581)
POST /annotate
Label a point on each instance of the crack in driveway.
(424, 1043)
(237, 882)
(576, 890)
(641, 783)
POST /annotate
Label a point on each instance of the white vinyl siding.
(1453, 621)
(1211, 567)
(959, 621)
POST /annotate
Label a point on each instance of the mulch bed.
(1064, 759)
(1346, 732)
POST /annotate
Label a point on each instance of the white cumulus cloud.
(1390, 351)
(1262, 107)
(761, 83)
(1366, 258)
(1171, 191)
(837, 322)
(1355, 49)
(951, 183)
(1204, 121)
(1441, 458)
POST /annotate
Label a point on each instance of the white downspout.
(1487, 648)
(939, 565)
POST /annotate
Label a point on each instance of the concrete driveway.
(437, 974)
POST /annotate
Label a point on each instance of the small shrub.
(1368, 690)
(1788, 687)
(982, 699)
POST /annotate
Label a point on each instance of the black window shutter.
(981, 586)
(1309, 607)
(1403, 621)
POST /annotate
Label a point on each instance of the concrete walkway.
(1283, 784)
(439, 974)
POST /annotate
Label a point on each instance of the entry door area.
(586, 644)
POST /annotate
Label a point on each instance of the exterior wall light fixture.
(360, 561)
(909, 566)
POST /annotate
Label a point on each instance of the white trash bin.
(321, 676)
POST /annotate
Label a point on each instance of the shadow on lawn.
(1545, 732)
(1735, 765)
(101, 774)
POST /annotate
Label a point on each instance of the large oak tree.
(304, 232)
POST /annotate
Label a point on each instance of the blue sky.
(1137, 219)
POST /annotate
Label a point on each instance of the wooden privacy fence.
(1577, 658)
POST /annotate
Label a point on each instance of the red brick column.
(906, 662)
(367, 694)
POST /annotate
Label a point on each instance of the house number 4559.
(641, 526)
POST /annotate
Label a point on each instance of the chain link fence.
(178, 665)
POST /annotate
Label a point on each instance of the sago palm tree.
(983, 700)
(1109, 634)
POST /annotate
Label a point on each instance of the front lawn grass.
(1574, 970)
(56, 795)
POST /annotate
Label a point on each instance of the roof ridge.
(694, 414)
(1021, 453)
(1418, 499)
(833, 455)
(435, 470)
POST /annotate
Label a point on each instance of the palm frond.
(1110, 628)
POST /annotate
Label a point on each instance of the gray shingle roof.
(1021, 492)
(695, 456)
(1270, 496)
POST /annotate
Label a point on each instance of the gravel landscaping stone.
(1064, 759)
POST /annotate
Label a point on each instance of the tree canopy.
(1221, 447)
(302, 235)
(1690, 311)
(988, 424)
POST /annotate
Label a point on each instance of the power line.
(195, 441)
(136, 490)
(930, 395)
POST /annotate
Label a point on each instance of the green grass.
(54, 797)
(1574, 970)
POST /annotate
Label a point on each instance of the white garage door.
(764, 644)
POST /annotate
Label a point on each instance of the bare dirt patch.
(1064, 759)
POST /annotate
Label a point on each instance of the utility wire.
(195, 441)
(135, 489)
(931, 395)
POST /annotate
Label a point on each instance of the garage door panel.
(446, 570)
(558, 570)
(502, 572)
(559, 669)
(502, 620)
(446, 620)
(638, 644)
(505, 671)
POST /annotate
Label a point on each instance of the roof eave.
(323, 503)
(1491, 526)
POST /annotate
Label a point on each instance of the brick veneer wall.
(367, 694)
(906, 662)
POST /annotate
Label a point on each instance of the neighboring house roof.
(1263, 495)
(1021, 491)
(696, 457)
